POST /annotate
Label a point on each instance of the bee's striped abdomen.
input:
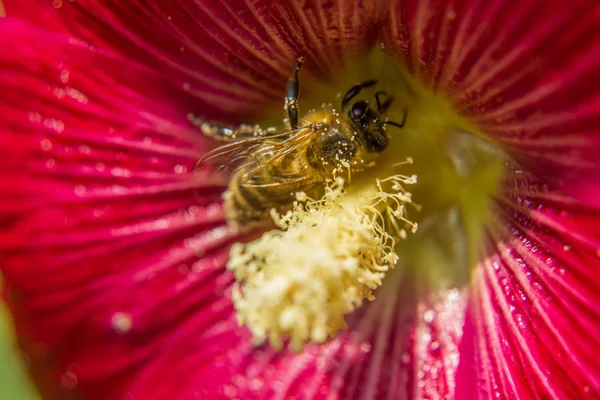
(248, 202)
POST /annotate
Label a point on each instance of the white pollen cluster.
(330, 254)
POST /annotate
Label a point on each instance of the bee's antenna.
(400, 125)
(355, 90)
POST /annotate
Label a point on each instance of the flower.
(113, 249)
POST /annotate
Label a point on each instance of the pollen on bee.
(328, 257)
(301, 196)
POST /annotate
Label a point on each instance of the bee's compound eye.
(359, 109)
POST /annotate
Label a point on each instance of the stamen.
(329, 256)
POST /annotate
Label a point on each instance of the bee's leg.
(291, 99)
(382, 107)
(225, 133)
(401, 124)
(355, 90)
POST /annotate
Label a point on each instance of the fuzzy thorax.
(329, 256)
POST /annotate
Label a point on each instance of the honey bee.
(270, 167)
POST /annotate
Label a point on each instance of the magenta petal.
(524, 71)
(30, 10)
(534, 314)
(396, 347)
(109, 238)
(236, 55)
(526, 74)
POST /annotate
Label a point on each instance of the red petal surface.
(112, 244)
(105, 225)
(535, 306)
(108, 227)
(400, 346)
(31, 11)
(524, 71)
(236, 55)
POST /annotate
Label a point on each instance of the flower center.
(332, 253)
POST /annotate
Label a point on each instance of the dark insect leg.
(225, 133)
(382, 107)
(355, 90)
(399, 125)
(291, 98)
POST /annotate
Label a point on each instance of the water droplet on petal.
(428, 316)
(68, 380)
(79, 190)
(59, 93)
(35, 116)
(121, 322)
(230, 391)
(365, 347)
(54, 124)
(405, 357)
(64, 76)
(46, 145)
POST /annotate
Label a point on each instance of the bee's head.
(369, 122)
(370, 125)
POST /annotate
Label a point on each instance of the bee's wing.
(258, 151)
(281, 188)
(286, 180)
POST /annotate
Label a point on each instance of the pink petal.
(105, 222)
(113, 244)
(79, 267)
(534, 313)
(524, 72)
(401, 346)
(31, 11)
(237, 55)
